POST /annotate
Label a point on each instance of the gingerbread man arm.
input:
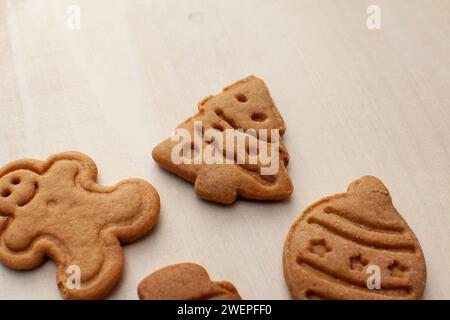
(142, 221)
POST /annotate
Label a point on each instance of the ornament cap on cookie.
(368, 184)
(55, 209)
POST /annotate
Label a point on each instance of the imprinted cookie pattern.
(185, 281)
(330, 247)
(242, 106)
(56, 209)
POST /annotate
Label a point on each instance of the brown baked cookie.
(56, 209)
(339, 245)
(185, 281)
(248, 110)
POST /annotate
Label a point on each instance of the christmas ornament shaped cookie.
(232, 147)
(354, 245)
(55, 209)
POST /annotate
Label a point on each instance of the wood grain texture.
(355, 102)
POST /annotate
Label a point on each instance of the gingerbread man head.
(56, 209)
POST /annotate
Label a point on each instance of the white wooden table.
(355, 101)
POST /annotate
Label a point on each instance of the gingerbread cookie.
(354, 245)
(56, 209)
(185, 281)
(232, 147)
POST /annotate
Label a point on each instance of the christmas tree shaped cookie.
(232, 147)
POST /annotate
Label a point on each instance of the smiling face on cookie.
(17, 189)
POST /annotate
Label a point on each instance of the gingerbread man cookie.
(354, 245)
(185, 281)
(56, 209)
